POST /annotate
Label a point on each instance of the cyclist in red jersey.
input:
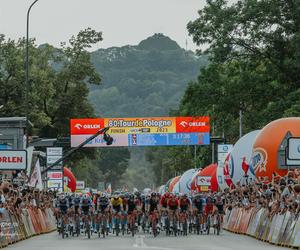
(173, 205)
(209, 206)
(164, 200)
(184, 205)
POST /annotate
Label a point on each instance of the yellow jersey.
(116, 203)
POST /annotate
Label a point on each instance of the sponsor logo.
(259, 160)
(192, 124)
(87, 126)
(78, 126)
(184, 124)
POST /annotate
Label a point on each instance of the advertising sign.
(55, 180)
(13, 159)
(223, 150)
(80, 185)
(203, 180)
(293, 152)
(54, 151)
(54, 154)
(154, 131)
(55, 185)
(57, 175)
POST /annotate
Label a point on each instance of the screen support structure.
(71, 151)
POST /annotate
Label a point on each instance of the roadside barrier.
(25, 224)
(278, 229)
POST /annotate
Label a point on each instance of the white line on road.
(139, 243)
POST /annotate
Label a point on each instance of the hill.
(148, 79)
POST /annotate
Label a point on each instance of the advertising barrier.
(278, 229)
(27, 223)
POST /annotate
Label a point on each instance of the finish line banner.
(154, 131)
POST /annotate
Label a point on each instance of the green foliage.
(58, 87)
(254, 52)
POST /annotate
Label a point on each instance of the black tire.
(208, 226)
(218, 225)
(167, 223)
(88, 229)
(62, 229)
(117, 227)
(185, 228)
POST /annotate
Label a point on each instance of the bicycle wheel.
(117, 227)
(218, 225)
(208, 225)
(185, 228)
(167, 223)
(88, 229)
(63, 229)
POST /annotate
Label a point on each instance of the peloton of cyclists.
(135, 209)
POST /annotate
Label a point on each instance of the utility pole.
(27, 72)
(213, 132)
(241, 120)
(195, 155)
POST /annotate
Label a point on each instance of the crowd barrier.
(278, 229)
(27, 223)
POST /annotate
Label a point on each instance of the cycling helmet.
(153, 194)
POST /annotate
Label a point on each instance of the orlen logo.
(87, 126)
(259, 160)
(184, 124)
(192, 124)
(78, 126)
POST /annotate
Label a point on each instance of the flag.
(36, 177)
(108, 190)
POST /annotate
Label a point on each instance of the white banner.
(223, 151)
(54, 151)
(36, 177)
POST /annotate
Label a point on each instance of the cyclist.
(102, 206)
(153, 211)
(76, 211)
(208, 210)
(117, 207)
(131, 208)
(173, 205)
(63, 205)
(184, 205)
(220, 204)
(199, 204)
(86, 207)
(164, 201)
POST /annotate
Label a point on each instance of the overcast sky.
(121, 21)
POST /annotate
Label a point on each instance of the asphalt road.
(226, 241)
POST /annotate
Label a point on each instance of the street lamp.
(27, 71)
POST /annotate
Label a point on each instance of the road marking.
(139, 243)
